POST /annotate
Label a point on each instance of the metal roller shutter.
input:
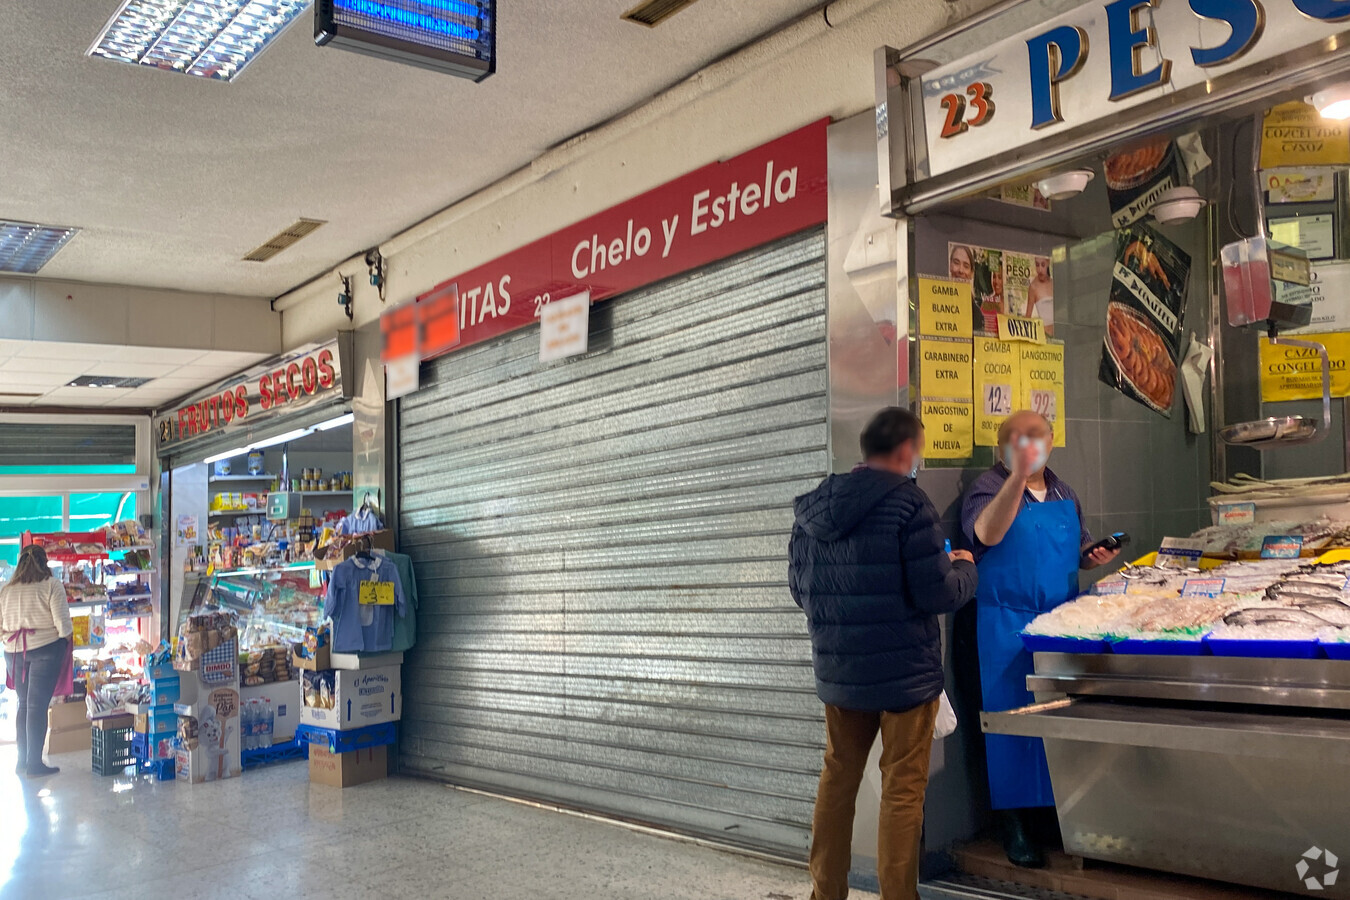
(601, 550)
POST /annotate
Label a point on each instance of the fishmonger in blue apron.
(1026, 529)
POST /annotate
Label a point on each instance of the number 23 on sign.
(981, 95)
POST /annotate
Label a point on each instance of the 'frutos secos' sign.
(308, 377)
(1097, 60)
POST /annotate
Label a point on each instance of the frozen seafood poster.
(1144, 317)
(1137, 178)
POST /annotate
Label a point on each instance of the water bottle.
(270, 726)
(246, 725)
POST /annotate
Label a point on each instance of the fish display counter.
(1196, 715)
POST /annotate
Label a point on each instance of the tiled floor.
(271, 835)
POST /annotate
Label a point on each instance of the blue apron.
(1032, 570)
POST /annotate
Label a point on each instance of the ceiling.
(43, 368)
(174, 178)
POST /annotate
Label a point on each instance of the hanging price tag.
(376, 593)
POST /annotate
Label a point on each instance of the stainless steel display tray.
(1307, 683)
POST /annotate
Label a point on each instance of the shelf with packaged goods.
(235, 479)
(265, 570)
(217, 513)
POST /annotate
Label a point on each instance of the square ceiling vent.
(25, 247)
(107, 381)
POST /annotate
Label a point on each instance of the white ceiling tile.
(49, 378)
(68, 396)
(208, 373)
(58, 350)
(236, 359)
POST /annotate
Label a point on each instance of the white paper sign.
(564, 327)
(1314, 235)
(402, 376)
(1330, 299)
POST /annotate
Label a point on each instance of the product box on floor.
(157, 721)
(68, 717)
(209, 739)
(347, 769)
(78, 739)
(351, 698)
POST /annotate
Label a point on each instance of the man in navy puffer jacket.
(869, 569)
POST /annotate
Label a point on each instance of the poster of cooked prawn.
(1144, 317)
(1137, 177)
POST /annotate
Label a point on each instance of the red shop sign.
(710, 214)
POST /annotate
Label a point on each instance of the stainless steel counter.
(1231, 769)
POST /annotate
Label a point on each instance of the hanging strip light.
(207, 38)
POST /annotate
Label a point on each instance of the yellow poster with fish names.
(1042, 383)
(998, 386)
(944, 307)
(945, 369)
(1295, 373)
(949, 429)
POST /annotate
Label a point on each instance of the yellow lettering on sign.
(1293, 134)
(376, 593)
(945, 369)
(1020, 328)
(998, 386)
(1042, 384)
(944, 308)
(1295, 373)
(949, 429)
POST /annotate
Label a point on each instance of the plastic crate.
(111, 750)
(1133, 646)
(341, 741)
(1046, 643)
(1264, 649)
(162, 769)
(1335, 649)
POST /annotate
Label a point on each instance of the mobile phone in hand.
(1111, 542)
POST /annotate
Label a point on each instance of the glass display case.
(275, 605)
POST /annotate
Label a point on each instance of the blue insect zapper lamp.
(458, 37)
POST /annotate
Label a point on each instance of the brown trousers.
(906, 743)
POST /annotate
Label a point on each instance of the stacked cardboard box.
(67, 727)
(208, 712)
(155, 722)
(359, 693)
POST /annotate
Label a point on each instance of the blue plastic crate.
(162, 769)
(1264, 649)
(351, 739)
(1335, 649)
(282, 752)
(1044, 643)
(1140, 647)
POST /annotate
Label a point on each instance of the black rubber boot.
(1021, 846)
(41, 771)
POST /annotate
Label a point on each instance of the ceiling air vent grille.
(654, 12)
(283, 239)
(107, 381)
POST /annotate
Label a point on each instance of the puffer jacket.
(869, 569)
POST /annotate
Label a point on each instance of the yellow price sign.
(944, 307)
(1295, 373)
(376, 593)
(945, 369)
(949, 429)
(1294, 134)
(998, 385)
(1020, 328)
(1042, 369)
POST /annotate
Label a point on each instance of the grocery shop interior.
(474, 497)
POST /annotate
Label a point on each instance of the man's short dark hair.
(889, 429)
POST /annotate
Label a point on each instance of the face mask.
(1042, 453)
(914, 472)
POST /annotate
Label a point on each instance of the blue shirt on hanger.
(358, 628)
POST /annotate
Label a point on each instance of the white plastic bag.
(946, 718)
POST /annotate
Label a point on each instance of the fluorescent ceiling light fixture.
(1333, 102)
(457, 37)
(25, 247)
(335, 423)
(228, 454)
(207, 38)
